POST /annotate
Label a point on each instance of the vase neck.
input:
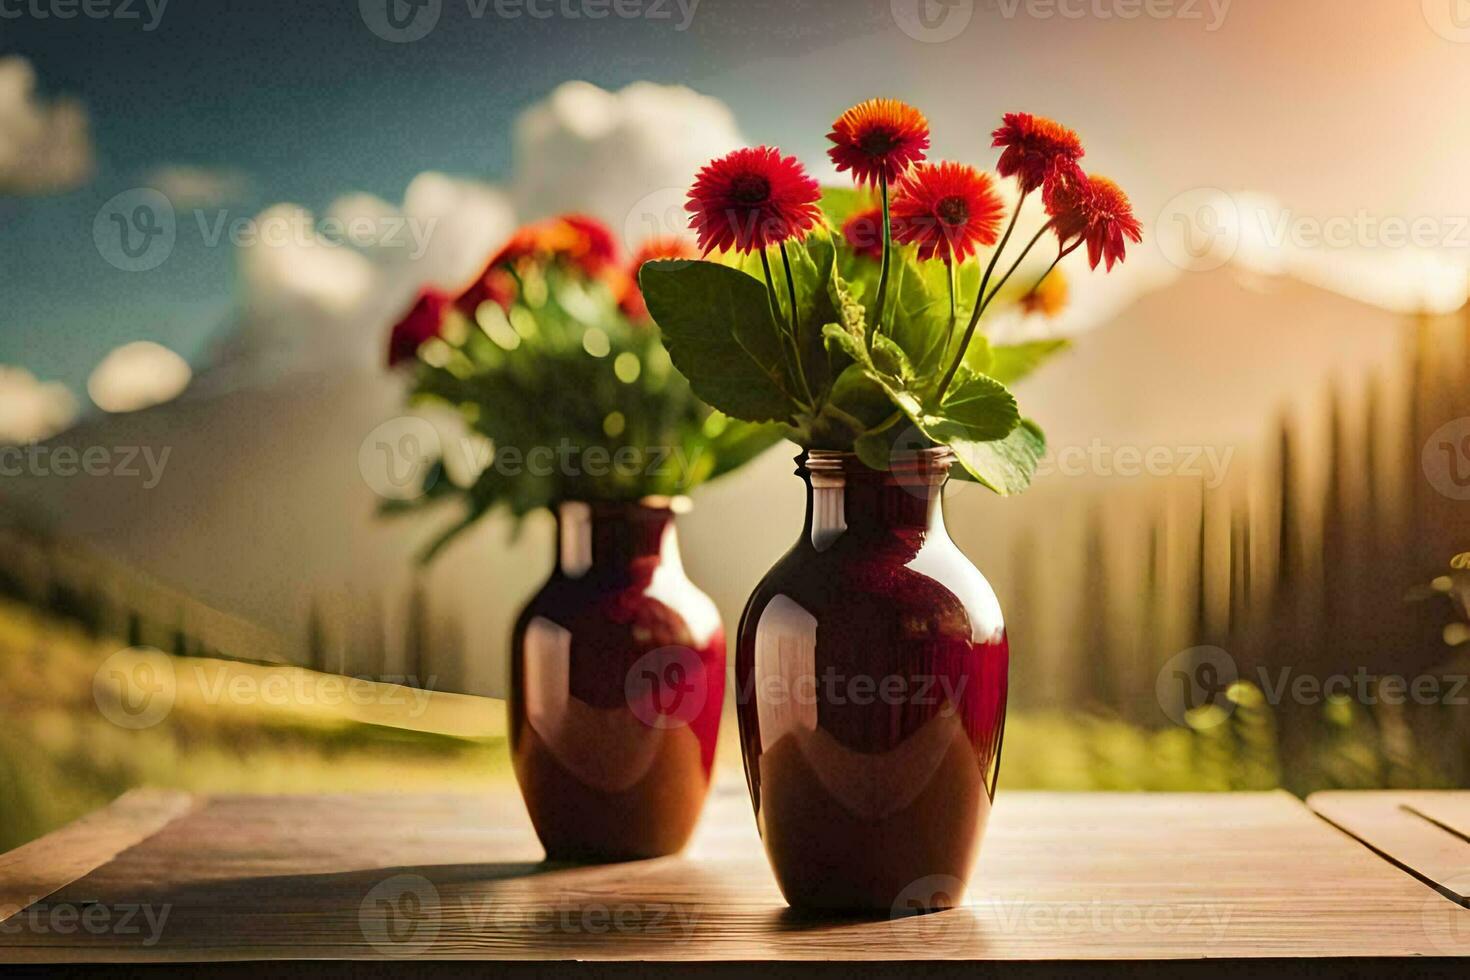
(845, 497)
(615, 541)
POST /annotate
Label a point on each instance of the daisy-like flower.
(1036, 148)
(1094, 210)
(630, 301)
(878, 138)
(1049, 297)
(864, 233)
(591, 246)
(947, 209)
(422, 322)
(751, 198)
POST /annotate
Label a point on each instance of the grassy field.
(70, 740)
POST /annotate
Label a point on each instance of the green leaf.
(716, 324)
(850, 312)
(873, 449)
(812, 271)
(860, 395)
(843, 344)
(890, 359)
(841, 203)
(981, 408)
(1009, 363)
(1005, 465)
(917, 319)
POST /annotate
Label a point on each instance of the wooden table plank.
(33, 871)
(1062, 877)
(1449, 809)
(1416, 829)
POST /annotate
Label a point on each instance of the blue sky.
(302, 102)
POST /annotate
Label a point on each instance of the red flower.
(750, 199)
(581, 242)
(1095, 210)
(422, 322)
(878, 138)
(592, 246)
(1035, 149)
(665, 247)
(948, 209)
(864, 233)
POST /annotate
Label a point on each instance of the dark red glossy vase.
(617, 683)
(871, 690)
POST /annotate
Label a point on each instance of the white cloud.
(470, 220)
(289, 267)
(137, 376)
(198, 187)
(44, 146)
(627, 157)
(325, 291)
(32, 410)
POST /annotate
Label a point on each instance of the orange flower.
(1049, 297)
(1094, 210)
(878, 138)
(864, 233)
(1035, 149)
(947, 209)
(750, 199)
(422, 322)
(662, 247)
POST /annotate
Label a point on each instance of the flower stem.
(887, 259)
(782, 324)
(982, 300)
(1061, 254)
(953, 304)
(795, 329)
(1017, 264)
(995, 257)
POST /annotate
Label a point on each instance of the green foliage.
(836, 377)
(579, 402)
(717, 326)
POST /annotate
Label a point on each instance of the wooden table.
(1067, 883)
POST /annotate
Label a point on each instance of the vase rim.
(932, 461)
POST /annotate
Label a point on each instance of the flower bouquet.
(617, 667)
(550, 357)
(854, 322)
(872, 660)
